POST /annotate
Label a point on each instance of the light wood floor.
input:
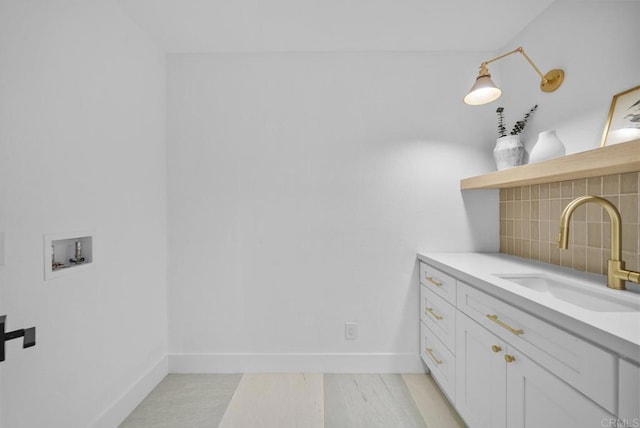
(295, 400)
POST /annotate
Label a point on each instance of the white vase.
(547, 146)
(509, 152)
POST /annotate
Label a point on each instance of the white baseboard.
(120, 409)
(295, 363)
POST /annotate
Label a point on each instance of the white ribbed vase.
(547, 146)
(509, 152)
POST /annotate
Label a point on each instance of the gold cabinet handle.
(433, 357)
(496, 348)
(504, 325)
(434, 282)
(436, 316)
(509, 358)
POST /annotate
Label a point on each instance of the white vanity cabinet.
(586, 367)
(499, 386)
(513, 369)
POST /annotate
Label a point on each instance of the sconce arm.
(524, 54)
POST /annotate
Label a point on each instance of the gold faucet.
(616, 273)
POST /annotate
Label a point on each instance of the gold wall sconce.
(484, 90)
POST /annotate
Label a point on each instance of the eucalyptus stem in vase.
(509, 150)
(502, 131)
(518, 127)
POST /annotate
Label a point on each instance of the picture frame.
(623, 122)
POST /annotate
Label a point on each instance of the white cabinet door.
(538, 399)
(480, 375)
(629, 393)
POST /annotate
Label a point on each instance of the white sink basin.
(582, 295)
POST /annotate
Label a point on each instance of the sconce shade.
(483, 91)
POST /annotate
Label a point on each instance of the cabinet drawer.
(440, 361)
(442, 284)
(579, 363)
(440, 316)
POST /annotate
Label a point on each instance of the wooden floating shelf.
(616, 159)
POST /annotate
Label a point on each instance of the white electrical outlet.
(350, 330)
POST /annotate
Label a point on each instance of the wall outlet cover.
(350, 330)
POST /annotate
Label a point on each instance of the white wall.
(82, 146)
(596, 43)
(301, 187)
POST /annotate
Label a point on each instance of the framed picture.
(623, 123)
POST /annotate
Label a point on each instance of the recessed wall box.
(67, 253)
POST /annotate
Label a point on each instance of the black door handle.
(29, 335)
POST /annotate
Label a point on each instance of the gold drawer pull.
(436, 316)
(496, 348)
(504, 325)
(509, 358)
(434, 282)
(433, 357)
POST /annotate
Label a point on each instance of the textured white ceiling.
(180, 26)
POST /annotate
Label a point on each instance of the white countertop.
(619, 332)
